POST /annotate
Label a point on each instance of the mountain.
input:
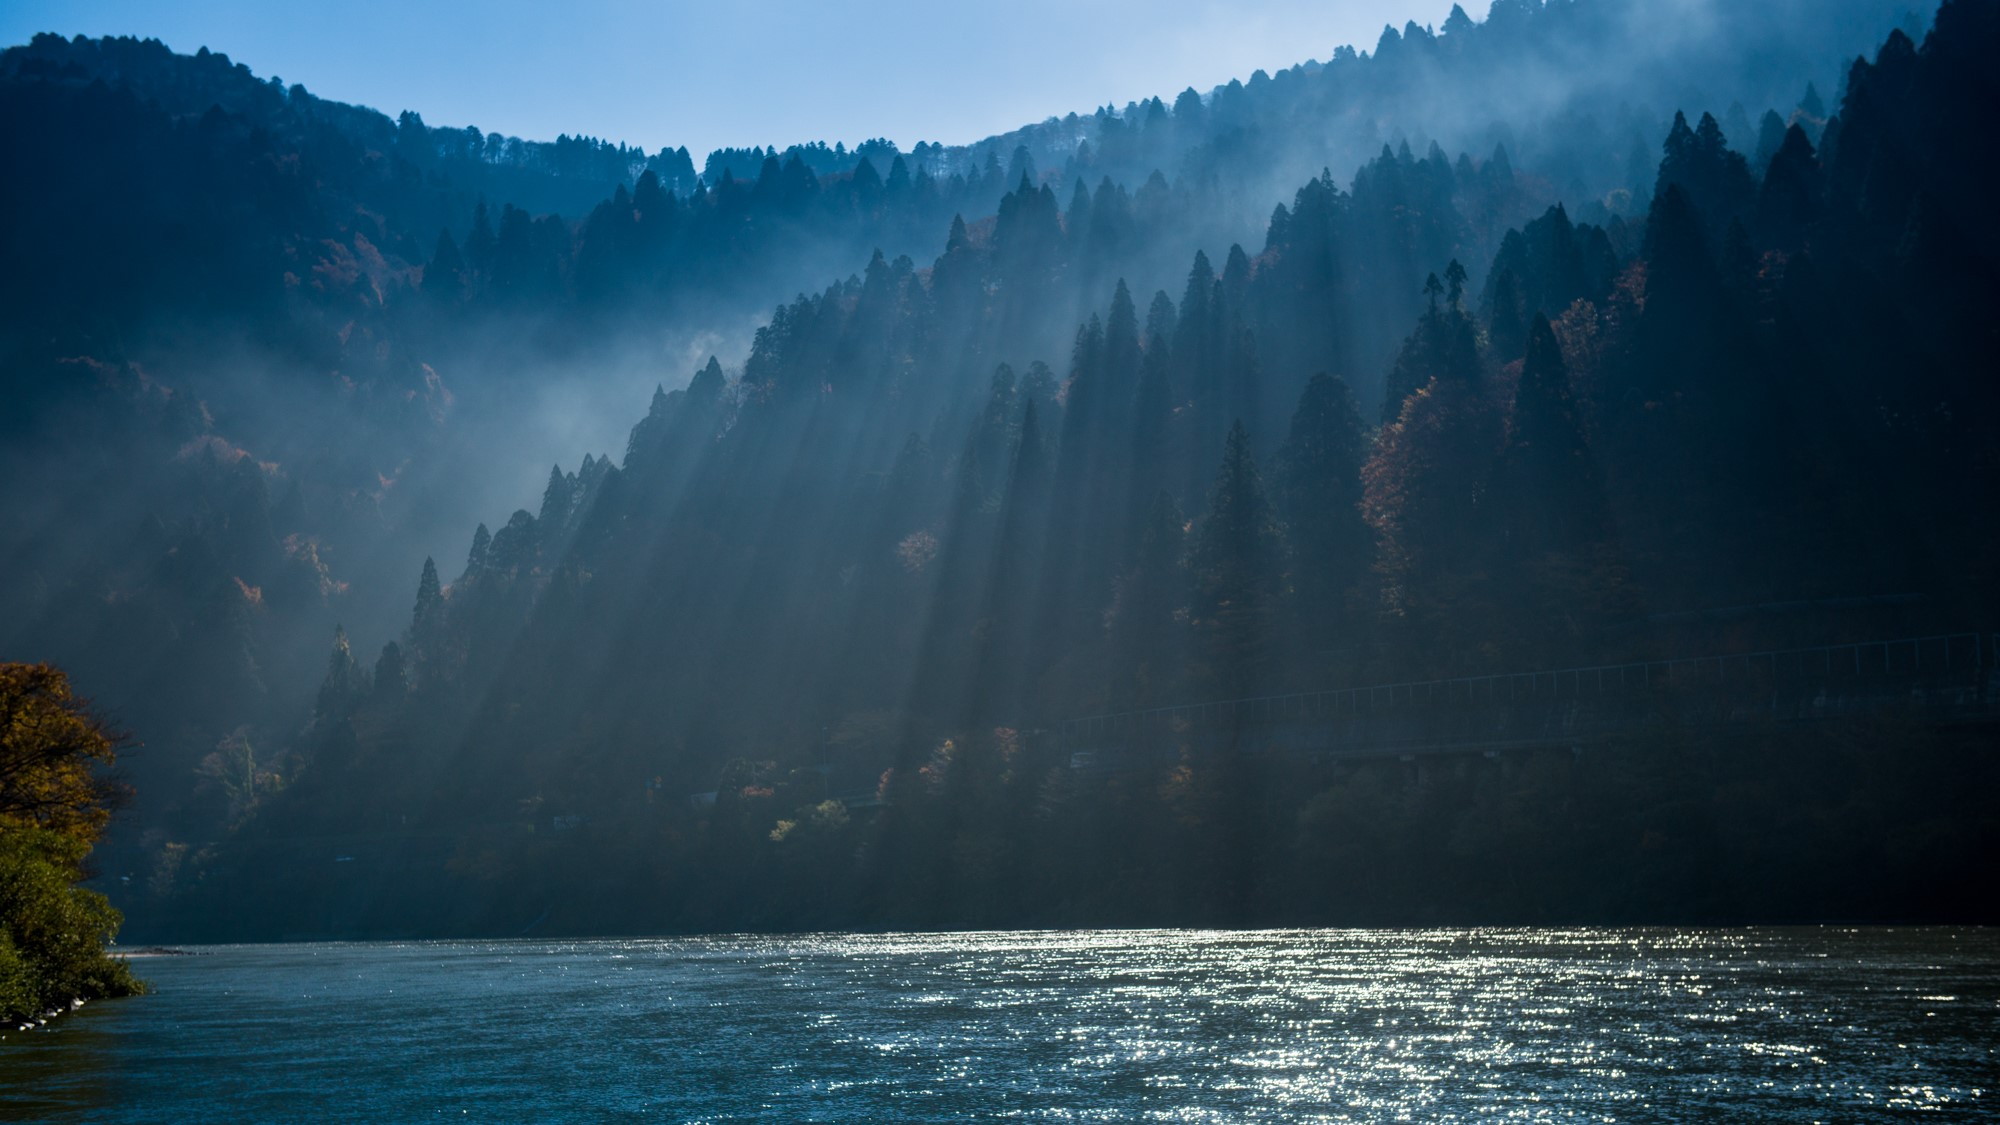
(1107, 422)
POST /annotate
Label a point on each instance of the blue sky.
(741, 72)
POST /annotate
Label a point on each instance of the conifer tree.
(445, 275)
(1152, 417)
(1811, 105)
(1424, 488)
(343, 685)
(480, 244)
(1194, 345)
(475, 557)
(1318, 485)
(1557, 572)
(1145, 632)
(1121, 351)
(1792, 195)
(1770, 135)
(557, 499)
(1237, 571)
(1204, 347)
(1716, 180)
(1444, 347)
(1001, 671)
(391, 682)
(1242, 375)
(1507, 325)
(427, 619)
(1548, 495)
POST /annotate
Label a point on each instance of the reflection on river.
(1585, 1025)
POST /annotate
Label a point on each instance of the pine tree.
(1318, 485)
(1454, 278)
(343, 685)
(475, 557)
(517, 546)
(1770, 135)
(1507, 325)
(1147, 652)
(1237, 570)
(445, 275)
(557, 501)
(1548, 495)
(427, 619)
(480, 245)
(1793, 193)
(1076, 220)
(391, 682)
(1121, 351)
(1235, 279)
(1076, 565)
(1811, 105)
(1444, 347)
(1683, 333)
(1553, 561)
(1242, 375)
(1716, 180)
(1001, 671)
(1193, 345)
(1152, 418)
(1424, 489)
(1160, 321)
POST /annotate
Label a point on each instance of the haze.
(705, 75)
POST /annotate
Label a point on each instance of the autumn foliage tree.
(54, 802)
(52, 751)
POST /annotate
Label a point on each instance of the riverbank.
(1849, 823)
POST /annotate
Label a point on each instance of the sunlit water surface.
(1530, 1025)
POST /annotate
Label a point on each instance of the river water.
(1180, 1026)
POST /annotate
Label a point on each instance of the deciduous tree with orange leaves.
(55, 798)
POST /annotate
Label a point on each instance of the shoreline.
(43, 1020)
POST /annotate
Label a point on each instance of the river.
(1649, 1025)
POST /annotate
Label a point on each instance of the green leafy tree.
(55, 800)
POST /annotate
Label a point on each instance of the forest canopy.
(990, 534)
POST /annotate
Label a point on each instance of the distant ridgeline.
(1514, 393)
(803, 657)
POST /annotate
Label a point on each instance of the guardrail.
(1965, 660)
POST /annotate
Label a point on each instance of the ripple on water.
(1170, 1026)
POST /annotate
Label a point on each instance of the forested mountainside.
(982, 484)
(1584, 88)
(803, 655)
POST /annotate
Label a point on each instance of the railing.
(1967, 658)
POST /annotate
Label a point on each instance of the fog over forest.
(480, 535)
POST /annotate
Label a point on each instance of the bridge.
(1943, 678)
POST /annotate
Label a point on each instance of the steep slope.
(256, 385)
(866, 574)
